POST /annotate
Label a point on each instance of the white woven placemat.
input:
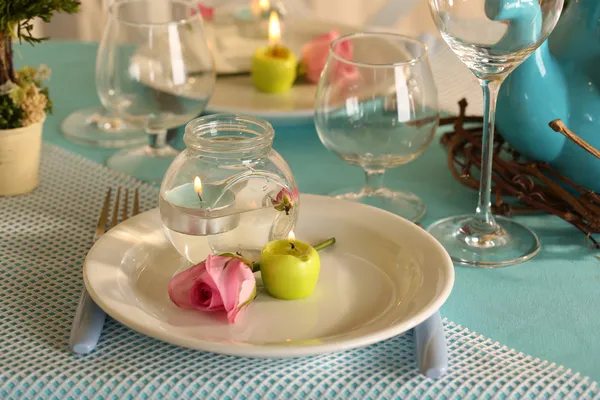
(44, 238)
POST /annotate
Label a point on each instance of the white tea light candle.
(199, 210)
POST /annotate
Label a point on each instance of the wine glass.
(492, 37)
(97, 127)
(156, 71)
(377, 108)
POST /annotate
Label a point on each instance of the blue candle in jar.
(199, 210)
(195, 196)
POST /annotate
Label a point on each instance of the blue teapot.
(561, 79)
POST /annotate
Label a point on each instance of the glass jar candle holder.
(225, 189)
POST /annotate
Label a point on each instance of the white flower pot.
(20, 150)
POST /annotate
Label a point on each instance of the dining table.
(524, 331)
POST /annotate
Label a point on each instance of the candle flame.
(257, 7)
(198, 186)
(274, 29)
(291, 236)
(264, 5)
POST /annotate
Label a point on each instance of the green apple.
(289, 269)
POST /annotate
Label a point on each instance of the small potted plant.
(24, 101)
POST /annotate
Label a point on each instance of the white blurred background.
(410, 17)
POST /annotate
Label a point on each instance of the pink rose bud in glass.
(286, 200)
(315, 53)
(207, 13)
(217, 284)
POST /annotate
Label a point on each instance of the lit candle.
(274, 66)
(261, 8)
(198, 187)
(199, 198)
(289, 268)
(197, 209)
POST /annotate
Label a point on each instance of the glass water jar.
(227, 189)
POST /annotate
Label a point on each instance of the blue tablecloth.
(546, 307)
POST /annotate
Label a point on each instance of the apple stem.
(325, 244)
(317, 247)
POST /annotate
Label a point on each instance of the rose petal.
(230, 274)
(246, 293)
(204, 298)
(295, 195)
(315, 53)
(182, 284)
(292, 196)
(314, 58)
(206, 12)
(185, 289)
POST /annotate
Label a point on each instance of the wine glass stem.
(373, 179)
(484, 206)
(157, 138)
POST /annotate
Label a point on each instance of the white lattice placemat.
(44, 238)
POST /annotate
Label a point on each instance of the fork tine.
(101, 227)
(136, 202)
(125, 205)
(115, 217)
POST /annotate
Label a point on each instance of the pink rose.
(207, 13)
(292, 196)
(218, 283)
(315, 53)
(285, 200)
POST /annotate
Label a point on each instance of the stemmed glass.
(377, 108)
(492, 37)
(156, 71)
(97, 127)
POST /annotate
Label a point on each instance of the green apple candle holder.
(290, 268)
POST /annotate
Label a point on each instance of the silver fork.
(89, 318)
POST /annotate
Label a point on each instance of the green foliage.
(33, 76)
(49, 107)
(16, 16)
(10, 114)
(25, 102)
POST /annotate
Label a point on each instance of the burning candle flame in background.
(198, 187)
(258, 7)
(264, 5)
(274, 29)
(291, 236)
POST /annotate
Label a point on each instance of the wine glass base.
(511, 244)
(144, 163)
(94, 126)
(405, 204)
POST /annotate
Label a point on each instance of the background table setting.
(525, 331)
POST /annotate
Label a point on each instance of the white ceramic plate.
(384, 276)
